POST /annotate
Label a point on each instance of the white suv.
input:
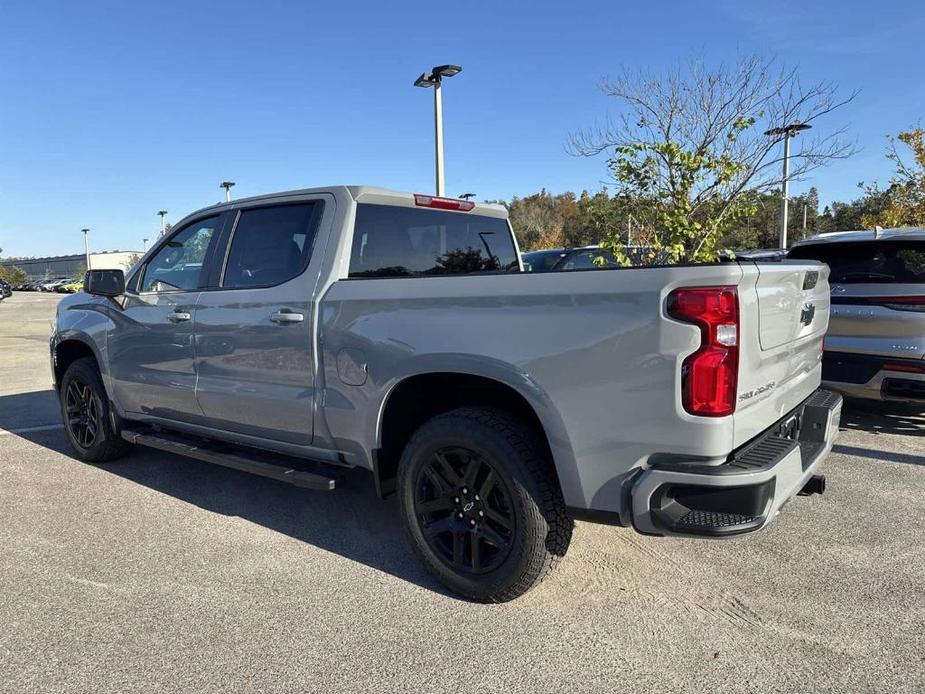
(875, 346)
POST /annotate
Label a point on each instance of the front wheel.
(85, 412)
(481, 504)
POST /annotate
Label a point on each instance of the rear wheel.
(85, 410)
(481, 504)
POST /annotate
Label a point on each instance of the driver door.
(151, 353)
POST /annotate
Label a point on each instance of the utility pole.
(804, 216)
(435, 80)
(787, 131)
(86, 247)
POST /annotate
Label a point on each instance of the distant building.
(73, 265)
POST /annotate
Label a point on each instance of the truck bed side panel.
(592, 352)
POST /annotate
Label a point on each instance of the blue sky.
(110, 111)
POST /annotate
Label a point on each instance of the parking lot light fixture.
(435, 80)
(162, 214)
(227, 185)
(86, 247)
(786, 132)
(467, 196)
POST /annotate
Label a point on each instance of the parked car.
(298, 334)
(70, 286)
(875, 347)
(52, 285)
(583, 258)
(5, 289)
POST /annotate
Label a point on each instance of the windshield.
(896, 262)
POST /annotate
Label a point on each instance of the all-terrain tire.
(541, 528)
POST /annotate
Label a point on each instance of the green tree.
(14, 275)
(689, 145)
(903, 202)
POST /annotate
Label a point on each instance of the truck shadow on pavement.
(30, 409)
(350, 521)
(883, 417)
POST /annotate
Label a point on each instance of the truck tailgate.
(784, 311)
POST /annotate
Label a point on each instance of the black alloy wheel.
(83, 413)
(465, 509)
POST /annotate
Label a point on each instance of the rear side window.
(391, 241)
(271, 245)
(891, 262)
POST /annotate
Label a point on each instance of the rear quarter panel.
(592, 351)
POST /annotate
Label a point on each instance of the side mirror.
(105, 283)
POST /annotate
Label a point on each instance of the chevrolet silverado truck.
(298, 334)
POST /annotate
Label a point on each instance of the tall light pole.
(86, 247)
(162, 214)
(435, 79)
(787, 132)
(144, 245)
(227, 185)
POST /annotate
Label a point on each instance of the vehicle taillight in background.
(710, 376)
(442, 203)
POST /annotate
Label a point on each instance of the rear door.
(254, 337)
(878, 295)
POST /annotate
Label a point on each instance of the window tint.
(271, 245)
(393, 241)
(868, 261)
(178, 264)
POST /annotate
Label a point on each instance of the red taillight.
(442, 203)
(710, 376)
(907, 368)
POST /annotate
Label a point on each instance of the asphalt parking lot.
(158, 573)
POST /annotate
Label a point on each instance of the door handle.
(178, 316)
(286, 317)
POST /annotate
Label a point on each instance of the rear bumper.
(874, 377)
(744, 493)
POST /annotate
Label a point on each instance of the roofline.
(900, 233)
(359, 193)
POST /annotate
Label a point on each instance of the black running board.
(254, 462)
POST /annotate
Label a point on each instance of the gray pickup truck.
(298, 334)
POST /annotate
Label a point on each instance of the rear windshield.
(900, 262)
(391, 241)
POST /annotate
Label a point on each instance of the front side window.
(177, 266)
(891, 262)
(271, 245)
(391, 241)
